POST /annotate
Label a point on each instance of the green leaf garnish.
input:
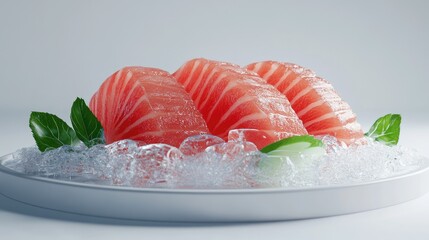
(50, 131)
(386, 129)
(88, 128)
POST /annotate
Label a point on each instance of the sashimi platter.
(213, 141)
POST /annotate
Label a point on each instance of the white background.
(373, 52)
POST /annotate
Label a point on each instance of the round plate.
(195, 205)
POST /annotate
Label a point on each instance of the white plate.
(187, 205)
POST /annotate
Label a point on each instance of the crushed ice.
(206, 161)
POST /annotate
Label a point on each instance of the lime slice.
(300, 150)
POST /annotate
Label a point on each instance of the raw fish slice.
(146, 105)
(314, 100)
(230, 97)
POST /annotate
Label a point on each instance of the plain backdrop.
(373, 52)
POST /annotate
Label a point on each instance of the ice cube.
(198, 143)
(273, 171)
(223, 165)
(237, 135)
(231, 150)
(24, 160)
(332, 144)
(122, 146)
(152, 164)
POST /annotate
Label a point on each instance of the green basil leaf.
(50, 131)
(386, 129)
(88, 128)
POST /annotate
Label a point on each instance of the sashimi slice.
(314, 100)
(146, 105)
(230, 97)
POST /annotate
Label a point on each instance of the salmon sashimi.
(146, 105)
(230, 97)
(314, 100)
